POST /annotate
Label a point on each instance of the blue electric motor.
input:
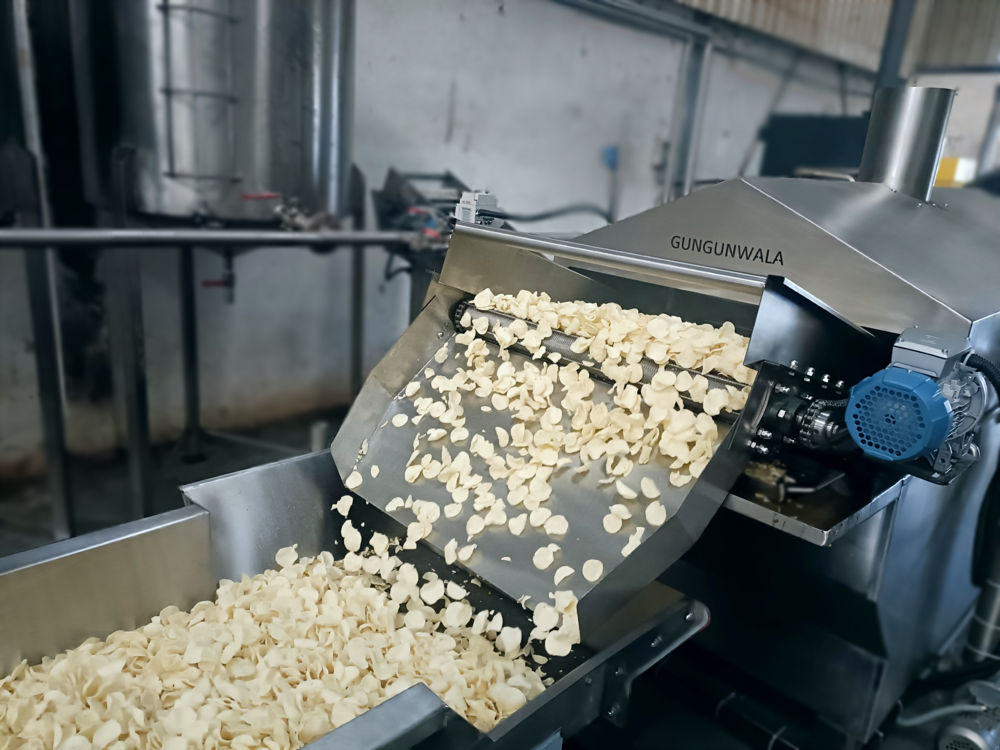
(898, 415)
(921, 411)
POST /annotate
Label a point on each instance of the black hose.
(574, 208)
(987, 527)
(987, 367)
(951, 678)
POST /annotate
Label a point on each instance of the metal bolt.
(759, 448)
(689, 617)
(620, 671)
(839, 385)
(656, 642)
(782, 413)
(764, 434)
(782, 389)
(826, 378)
(794, 364)
(615, 710)
(810, 371)
(440, 334)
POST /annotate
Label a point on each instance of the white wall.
(517, 96)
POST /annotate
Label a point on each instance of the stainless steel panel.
(737, 214)
(57, 596)
(258, 511)
(226, 101)
(685, 275)
(401, 722)
(942, 254)
(821, 523)
(800, 332)
(884, 260)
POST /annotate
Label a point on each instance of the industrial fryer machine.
(843, 496)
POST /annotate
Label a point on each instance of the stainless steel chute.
(120, 577)
(788, 324)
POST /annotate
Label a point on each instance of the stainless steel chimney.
(905, 138)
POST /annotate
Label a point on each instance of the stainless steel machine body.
(839, 592)
(118, 578)
(841, 630)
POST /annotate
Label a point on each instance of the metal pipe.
(191, 442)
(616, 259)
(43, 296)
(703, 55)
(46, 372)
(128, 355)
(897, 31)
(989, 151)
(264, 445)
(905, 138)
(334, 52)
(636, 14)
(35, 238)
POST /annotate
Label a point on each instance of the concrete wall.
(518, 96)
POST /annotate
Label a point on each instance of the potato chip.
(593, 570)
(656, 514)
(562, 573)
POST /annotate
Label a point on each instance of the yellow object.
(955, 171)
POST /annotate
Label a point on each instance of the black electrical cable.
(987, 367)
(574, 208)
(951, 678)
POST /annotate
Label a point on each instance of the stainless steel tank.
(233, 105)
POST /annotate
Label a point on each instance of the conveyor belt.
(371, 437)
(562, 344)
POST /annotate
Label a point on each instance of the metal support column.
(689, 104)
(50, 401)
(357, 320)
(124, 301)
(191, 443)
(40, 268)
(897, 32)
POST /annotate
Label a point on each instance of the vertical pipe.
(336, 103)
(688, 107)
(897, 32)
(46, 371)
(124, 300)
(905, 138)
(989, 151)
(700, 96)
(357, 319)
(191, 442)
(43, 293)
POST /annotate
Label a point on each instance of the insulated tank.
(232, 106)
